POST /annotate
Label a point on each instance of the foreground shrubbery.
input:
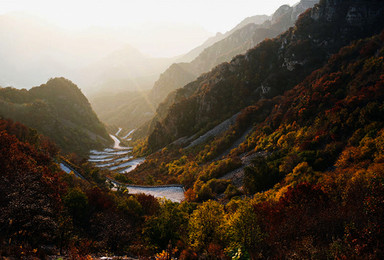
(317, 170)
(336, 214)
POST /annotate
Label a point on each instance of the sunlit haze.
(198, 15)
(124, 44)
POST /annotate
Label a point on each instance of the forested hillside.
(45, 212)
(271, 68)
(312, 165)
(58, 110)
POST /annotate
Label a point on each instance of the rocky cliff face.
(237, 42)
(243, 37)
(221, 49)
(269, 69)
(302, 6)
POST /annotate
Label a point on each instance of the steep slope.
(331, 119)
(58, 110)
(312, 165)
(190, 56)
(241, 38)
(267, 70)
(30, 189)
(336, 109)
(44, 210)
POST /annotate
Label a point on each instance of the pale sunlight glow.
(123, 42)
(212, 15)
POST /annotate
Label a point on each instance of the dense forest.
(298, 175)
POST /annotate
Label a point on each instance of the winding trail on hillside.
(68, 169)
(174, 193)
(118, 131)
(116, 145)
(119, 159)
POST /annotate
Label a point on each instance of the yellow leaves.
(301, 173)
(266, 195)
(367, 145)
(206, 224)
(375, 170)
(358, 175)
(287, 141)
(164, 255)
(379, 143)
(280, 192)
(181, 165)
(347, 157)
(301, 169)
(281, 141)
(368, 149)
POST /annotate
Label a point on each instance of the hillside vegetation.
(316, 177)
(58, 110)
(274, 66)
(312, 161)
(298, 175)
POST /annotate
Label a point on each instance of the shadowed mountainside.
(271, 68)
(58, 110)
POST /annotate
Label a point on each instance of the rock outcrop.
(271, 68)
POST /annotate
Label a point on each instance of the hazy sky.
(212, 15)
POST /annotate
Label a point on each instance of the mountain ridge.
(299, 51)
(190, 56)
(60, 111)
(239, 40)
(180, 74)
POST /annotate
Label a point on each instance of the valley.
(119, 159)
(263, 142)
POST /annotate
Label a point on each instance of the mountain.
(271, 68)
(126, 69)
(305, 145)
(60, 111)
(124, 109)
(190, 56)
(244, 36)
(33, 50)
(240, 39)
